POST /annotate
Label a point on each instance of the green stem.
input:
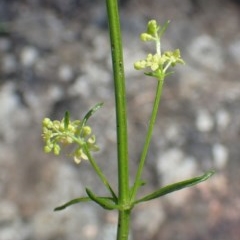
(121, 118)
(148, 139)
(99, 172)
(120, 100)
(123, 225)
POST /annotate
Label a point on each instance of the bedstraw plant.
(57, 134)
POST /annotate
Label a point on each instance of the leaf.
(115, 199)
(163, 29)
(105, 202)
(175, 187)
(72, 202)
(91, 112)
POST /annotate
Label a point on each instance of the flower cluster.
(158, 63)
(152, 31)
(65, 132)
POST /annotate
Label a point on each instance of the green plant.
(56, 134)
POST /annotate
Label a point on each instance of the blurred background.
(55, 56)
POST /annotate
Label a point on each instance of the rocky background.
(54, 56)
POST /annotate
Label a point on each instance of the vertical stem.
(120, 100)
(121, 118)
(123, 225)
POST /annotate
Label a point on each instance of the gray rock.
(11, 108)
(65, 73)
(206, 52)
(220, 155)
(28, 56)
(204, 121)
(223, 119)
(173, 165)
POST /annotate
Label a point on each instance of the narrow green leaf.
(115, 199)
(151, 74)
(74, 201)
(66, 119)
(91, 112)
(175, 187)
(105, 202)
(163, 29)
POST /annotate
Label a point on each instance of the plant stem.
(95, 166)
(148, 138)
(123, 224)
(99, 172)
(120, 99)
(121, 118)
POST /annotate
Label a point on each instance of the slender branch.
(99, 172)
(148, 139)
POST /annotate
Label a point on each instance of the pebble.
(222, 118)
(13, 116)
(174, 134)
(204, 121)
(65, 73)
(80, 87)
(220, 155)
(28, 56)
(174, 165)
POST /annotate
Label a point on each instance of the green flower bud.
(139, 65)
(174, 57)
(47, 123)
(56, 124)
(71, 128)
(56, 149)
(61, 126)
(146, 37)
(86, 131)
(46, 133)
(91, 140)
(77, 160)
(152, 27)
(79, 155)
(66, 140)
(47, 149)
